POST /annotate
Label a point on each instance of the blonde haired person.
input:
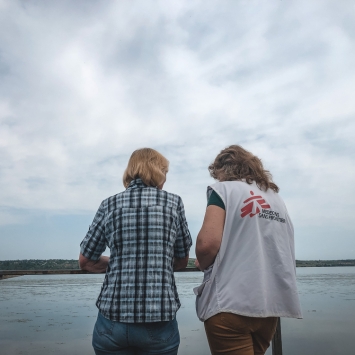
(246, 250)
(147, 233)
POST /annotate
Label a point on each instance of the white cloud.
(84, 84)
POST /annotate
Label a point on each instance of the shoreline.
(72, 264)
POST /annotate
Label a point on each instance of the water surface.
(56, 314)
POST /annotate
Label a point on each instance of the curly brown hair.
(235, 163)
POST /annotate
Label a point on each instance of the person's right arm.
(94, 244)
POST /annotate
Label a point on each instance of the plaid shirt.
(145, 228)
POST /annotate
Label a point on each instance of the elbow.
(206, 255)
(199, 253)
(203, 250)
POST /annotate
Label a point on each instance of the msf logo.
(253, 205)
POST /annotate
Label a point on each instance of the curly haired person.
(246, 249)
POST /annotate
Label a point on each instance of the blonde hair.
(236, 163)
(148, 165)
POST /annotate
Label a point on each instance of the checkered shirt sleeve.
(94, 243)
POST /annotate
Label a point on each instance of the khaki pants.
(232, 334)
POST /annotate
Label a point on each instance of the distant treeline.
(323, 263)
(62, 264)
(51, 264)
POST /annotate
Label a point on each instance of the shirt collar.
(136, 184)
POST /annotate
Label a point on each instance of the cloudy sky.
(84, 83)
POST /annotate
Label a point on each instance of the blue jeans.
(116, 338)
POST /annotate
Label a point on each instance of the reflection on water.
(56, 314)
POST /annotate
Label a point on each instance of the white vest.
(254, 273)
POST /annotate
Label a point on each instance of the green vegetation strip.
(51, 264)
(62, 266)
(58, 272)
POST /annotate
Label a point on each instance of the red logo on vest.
(252, 208)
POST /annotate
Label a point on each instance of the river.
(56, 314)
